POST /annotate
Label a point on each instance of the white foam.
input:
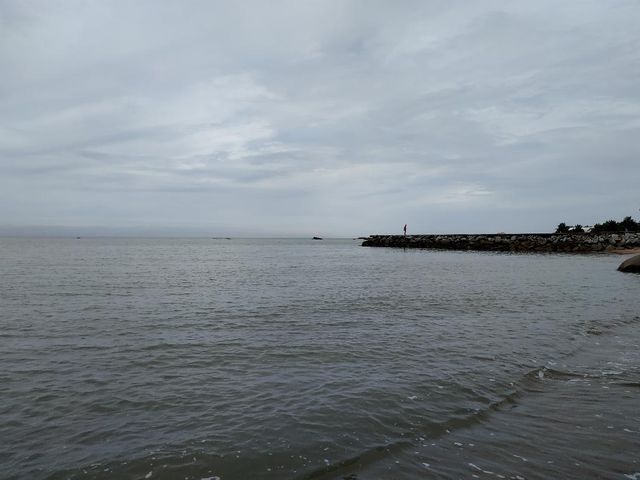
(488, 472)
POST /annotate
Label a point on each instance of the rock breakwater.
(521, 242)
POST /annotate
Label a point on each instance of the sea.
(221, 359)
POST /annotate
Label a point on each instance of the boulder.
(630, 265)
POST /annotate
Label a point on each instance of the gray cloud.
(337, 118)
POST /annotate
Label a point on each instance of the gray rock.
(630, 265)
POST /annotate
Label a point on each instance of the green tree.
(562, 228)
(577, 229)
(628, 224)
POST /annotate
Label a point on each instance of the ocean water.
(300, 359)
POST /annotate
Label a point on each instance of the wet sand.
(625, 251)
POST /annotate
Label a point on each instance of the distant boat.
(317, 238)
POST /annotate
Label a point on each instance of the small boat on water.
(317, 238)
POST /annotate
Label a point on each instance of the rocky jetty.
(631, 265)
(521, 242)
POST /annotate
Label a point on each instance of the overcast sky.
(333, 118)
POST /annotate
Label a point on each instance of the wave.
(534, 380)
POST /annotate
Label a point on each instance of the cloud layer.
(319, 117)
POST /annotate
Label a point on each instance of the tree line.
(627, 224)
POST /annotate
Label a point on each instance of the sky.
(330, 118)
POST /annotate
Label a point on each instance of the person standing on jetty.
(405, 229)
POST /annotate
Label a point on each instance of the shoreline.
(625, 251)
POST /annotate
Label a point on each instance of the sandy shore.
(625, 251)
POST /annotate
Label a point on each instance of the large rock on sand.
(631, 265)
